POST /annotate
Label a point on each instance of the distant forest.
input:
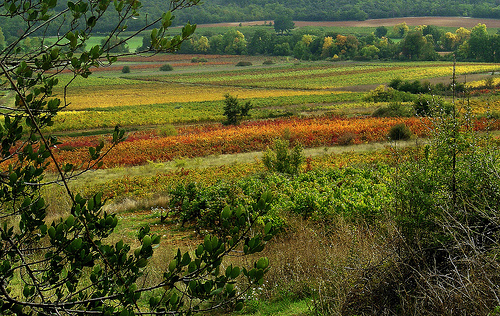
(215, 11)
(335, 10)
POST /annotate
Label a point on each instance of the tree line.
(424, 42)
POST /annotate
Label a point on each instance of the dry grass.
(311, 261)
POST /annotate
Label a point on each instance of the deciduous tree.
(283, 24)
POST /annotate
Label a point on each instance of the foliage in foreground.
(66, 265)
(446, 208)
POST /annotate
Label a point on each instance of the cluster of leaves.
(67, 265)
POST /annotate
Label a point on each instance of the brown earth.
(412, 21)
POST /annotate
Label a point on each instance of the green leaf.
(238, 307)
(268, 228)
(28, 290)
(235, 272)
(186, 259)
(172, 265)
(263, 263)
(226, 212)
(207, 243)
(70, 221)
(146, 241)
(142, 262)
(52, 232)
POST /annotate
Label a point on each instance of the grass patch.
(280, 308)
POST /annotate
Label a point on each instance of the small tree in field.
(66, 266)
(234, 111)
(283, 24)
(282, 158)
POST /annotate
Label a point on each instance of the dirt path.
(151, 169)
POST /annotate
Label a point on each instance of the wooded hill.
(335, 10)
(299, 10)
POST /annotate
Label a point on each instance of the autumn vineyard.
(370, 152)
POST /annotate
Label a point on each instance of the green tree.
(412, 45)
(281, 158)
(146, 43)
(66, 265)
(261, 43)
(400, 30)
(381, 31)
(479, 43)
(234, 42)
(283, 24)
(234, 111)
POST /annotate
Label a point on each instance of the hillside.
(218, 11)
(330, 10)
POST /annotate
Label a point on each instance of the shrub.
(383, 94)
(395, 109)
(489, 82)
(243, 64)
(126, 69)
(379, 94)
(396, 83)
(166, 67)
(198, 60)
(281, 158)
(346, 139)
(426, 105)
(167, 130)
(399, 132)
(446, 208)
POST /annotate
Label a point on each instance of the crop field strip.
(163, 181)
(142, 93)
(205, 140)
(327, 76)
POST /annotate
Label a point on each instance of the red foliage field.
(216, 139)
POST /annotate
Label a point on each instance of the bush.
(166, 67)
(126, 69)
(281, 158)
(395, 109)
(399, 132)
(396, 83)
(426, 105)
(198, 60)
(383, 94)
(243, 64)
(346, 139)
(167, 130)
(446, 208)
